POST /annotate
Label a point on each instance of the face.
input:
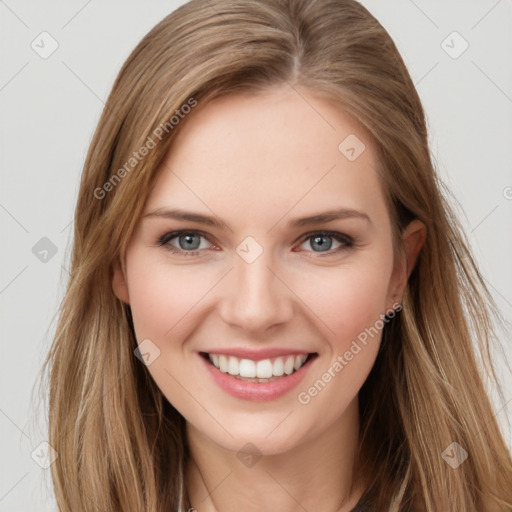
(255, 286)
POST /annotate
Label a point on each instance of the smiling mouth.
(266, 370)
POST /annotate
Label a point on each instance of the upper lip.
(257, 355)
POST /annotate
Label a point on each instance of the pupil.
(188, 238)
(322, 246)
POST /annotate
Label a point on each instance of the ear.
(413, 236)
(119, 284)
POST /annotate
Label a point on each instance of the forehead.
(264, 154)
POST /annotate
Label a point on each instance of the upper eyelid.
(179, 232)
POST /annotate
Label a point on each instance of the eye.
(322, 240)
(188, 242)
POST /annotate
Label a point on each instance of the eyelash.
(348, 242)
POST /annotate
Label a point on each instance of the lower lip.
(255, 390)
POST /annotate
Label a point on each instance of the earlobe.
(119, 284)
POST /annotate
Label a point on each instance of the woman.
(265, 367)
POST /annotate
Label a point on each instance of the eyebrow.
(327, 216)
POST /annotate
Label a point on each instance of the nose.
(256, 297)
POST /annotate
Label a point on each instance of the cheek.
(349, 310)
(346, 300)
(162, 297)
(166, 308)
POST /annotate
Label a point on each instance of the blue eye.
(189, 242)
(317, 239)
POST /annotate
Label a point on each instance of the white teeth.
(263, 369)
(233, 366)
(214, 358)
(288, 365)
(247, 368)
(223, 363)
(278, 367)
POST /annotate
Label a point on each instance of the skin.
(257, 162)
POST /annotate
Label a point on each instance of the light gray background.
(50, 107)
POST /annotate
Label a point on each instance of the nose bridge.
(256, 298)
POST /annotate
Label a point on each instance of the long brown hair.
(121, 444)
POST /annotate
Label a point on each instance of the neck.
(316, 474)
